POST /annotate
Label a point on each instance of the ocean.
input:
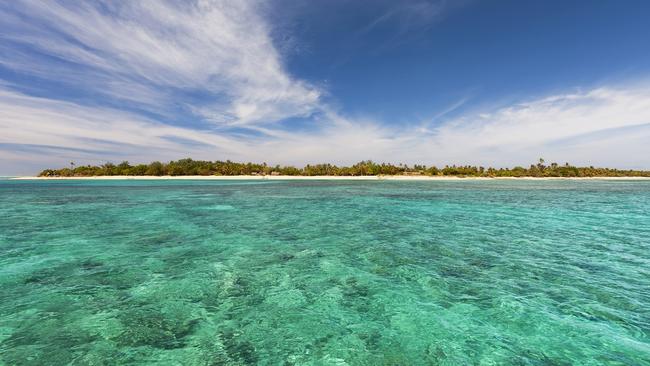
(549, 272)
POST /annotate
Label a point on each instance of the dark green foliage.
(198, 167)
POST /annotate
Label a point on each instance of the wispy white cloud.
(605, 126)
(45, 122)
(141, 50)
(409, 15)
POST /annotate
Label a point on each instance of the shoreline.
(318, 177)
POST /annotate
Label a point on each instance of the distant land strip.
(190, 167)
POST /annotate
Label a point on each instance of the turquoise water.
(324, 273)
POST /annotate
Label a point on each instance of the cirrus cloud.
(155, 52)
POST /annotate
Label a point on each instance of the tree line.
(200, 167)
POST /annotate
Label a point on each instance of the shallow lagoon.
(324, 272)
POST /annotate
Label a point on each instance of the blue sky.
(292, 82)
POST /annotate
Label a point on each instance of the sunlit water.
(325, 273)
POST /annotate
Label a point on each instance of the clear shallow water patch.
(219, 208)
(319, 273)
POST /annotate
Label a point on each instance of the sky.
(498, 83)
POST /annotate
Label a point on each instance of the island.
(191, 168)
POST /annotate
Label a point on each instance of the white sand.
(321, 177)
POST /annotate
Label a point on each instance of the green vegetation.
(198, 167)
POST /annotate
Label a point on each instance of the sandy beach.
(321, 177)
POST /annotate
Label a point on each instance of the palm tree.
(540, 165)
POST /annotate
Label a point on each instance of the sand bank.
(327, 177)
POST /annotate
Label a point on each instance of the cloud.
(604, 126)
(607, 126)
(40, 132)
(151, 52)
(408, 15)
(33, 121)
